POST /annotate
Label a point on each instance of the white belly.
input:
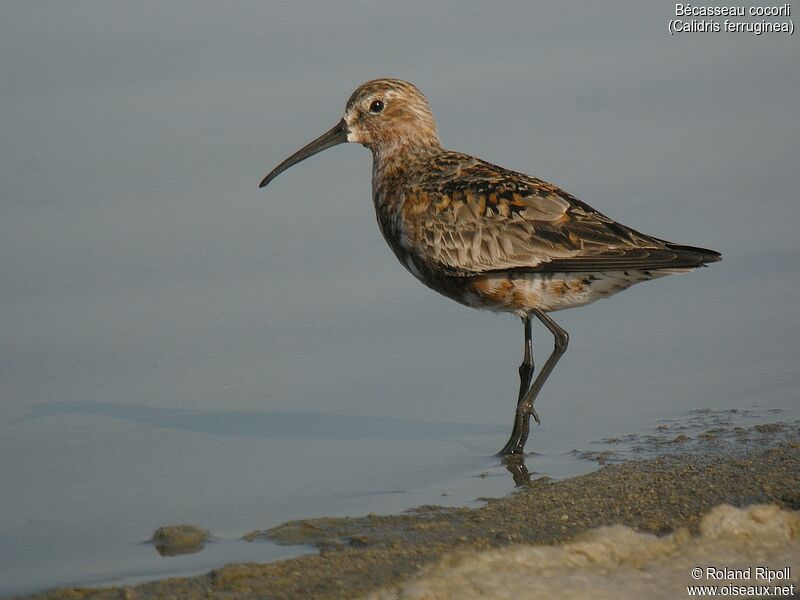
(522, 292)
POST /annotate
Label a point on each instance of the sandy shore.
(361, 555)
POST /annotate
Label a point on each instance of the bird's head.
(385, 115)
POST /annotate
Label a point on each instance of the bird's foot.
(511, 449)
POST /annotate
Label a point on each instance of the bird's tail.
(693, 254)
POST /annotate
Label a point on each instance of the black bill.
(336, 135)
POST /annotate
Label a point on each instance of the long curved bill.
(336, 135)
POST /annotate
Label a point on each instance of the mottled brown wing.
(467, 216)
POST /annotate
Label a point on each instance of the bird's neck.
(394, 162)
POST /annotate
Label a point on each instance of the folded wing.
(473, 217)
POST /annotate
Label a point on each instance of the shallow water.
(180, 347)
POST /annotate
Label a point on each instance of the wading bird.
(488, 237)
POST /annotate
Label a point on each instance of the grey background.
(179, 346)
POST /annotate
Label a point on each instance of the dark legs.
(526, 369)
(528, 392)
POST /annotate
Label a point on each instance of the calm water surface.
(180, 347)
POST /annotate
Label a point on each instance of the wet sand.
(361, 555)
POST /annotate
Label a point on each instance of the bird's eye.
(376, 106)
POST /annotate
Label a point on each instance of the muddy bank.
(360, 555)
(617, 563)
